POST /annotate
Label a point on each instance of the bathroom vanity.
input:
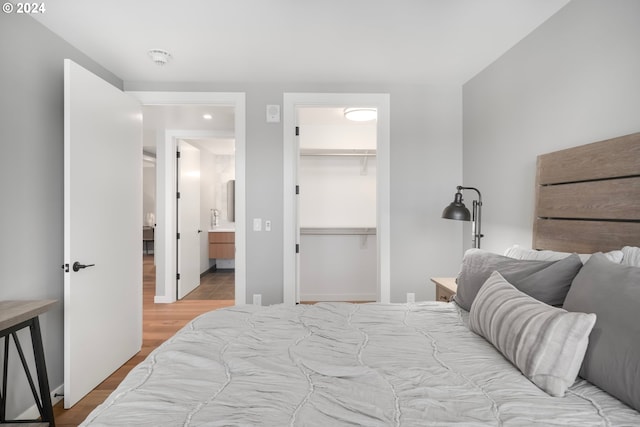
(222, 244)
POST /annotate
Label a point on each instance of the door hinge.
(297, 130)
(297, 248)
(177, 154)
(297, 189)
(178, 195)
(178, 276)
(178, 236)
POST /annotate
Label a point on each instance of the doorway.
(291, 232)
(213, 275)
(337, 205)
(166, 250)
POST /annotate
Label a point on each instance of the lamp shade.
(457, 210)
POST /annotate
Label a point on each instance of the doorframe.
(380, 101)
(166, 186)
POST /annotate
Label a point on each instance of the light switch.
(257, 224)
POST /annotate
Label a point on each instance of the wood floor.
(160, 322)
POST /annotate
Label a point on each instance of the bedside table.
(446, 288)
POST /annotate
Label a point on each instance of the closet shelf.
(337, 152)
(338, 231)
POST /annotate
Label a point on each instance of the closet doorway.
(369, 233)
(337, 204)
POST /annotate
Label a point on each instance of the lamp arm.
(474, 189)
(477, 215)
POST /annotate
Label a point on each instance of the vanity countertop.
(222, 229)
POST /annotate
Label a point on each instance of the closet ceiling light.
(159, 56)
(207, 116)
(361, 114)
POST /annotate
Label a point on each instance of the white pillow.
(631, 256)
(518, 252)
(546, 343)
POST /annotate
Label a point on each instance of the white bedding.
(333, 364)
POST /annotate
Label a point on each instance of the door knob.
(199, 231)
(77, 266)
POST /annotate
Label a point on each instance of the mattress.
(333, 364)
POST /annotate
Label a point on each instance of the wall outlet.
(267, 225)
(411, 297)
(257, 299)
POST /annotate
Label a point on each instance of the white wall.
(225, 171)
(358, 135)
(573, 81)
(337, 192)
(207, 202)
(222, 170)
(148, 192)
(334, 193)
(338, 268)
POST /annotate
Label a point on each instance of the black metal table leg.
(41, 370)
(14, 316)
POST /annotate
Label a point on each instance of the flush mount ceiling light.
(360, 114)
(207, 116)
(159, 56)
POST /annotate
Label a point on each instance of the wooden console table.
(16, 315)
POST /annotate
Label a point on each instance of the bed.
(434, 363)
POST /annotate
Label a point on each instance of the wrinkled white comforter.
(334, 364)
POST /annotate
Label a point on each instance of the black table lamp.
(457, 210)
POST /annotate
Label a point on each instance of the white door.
(102, 230)
(188, 219)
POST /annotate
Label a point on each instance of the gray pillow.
(546, 343)
(612, 291)
(546, 281)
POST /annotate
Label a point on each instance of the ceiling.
(297, 41)
(220, 127)
(292, 41)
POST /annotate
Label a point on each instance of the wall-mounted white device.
(273, 114)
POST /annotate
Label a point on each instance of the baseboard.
(209, 270)
(162, 299)
(338, 297)
(32, 412)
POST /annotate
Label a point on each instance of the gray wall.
(574, 80)
(31, 181)
(426, 145)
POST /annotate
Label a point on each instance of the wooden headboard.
(588, 197)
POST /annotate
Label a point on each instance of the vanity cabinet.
(222, 244)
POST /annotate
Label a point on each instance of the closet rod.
(338, 231)
(351, 153)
